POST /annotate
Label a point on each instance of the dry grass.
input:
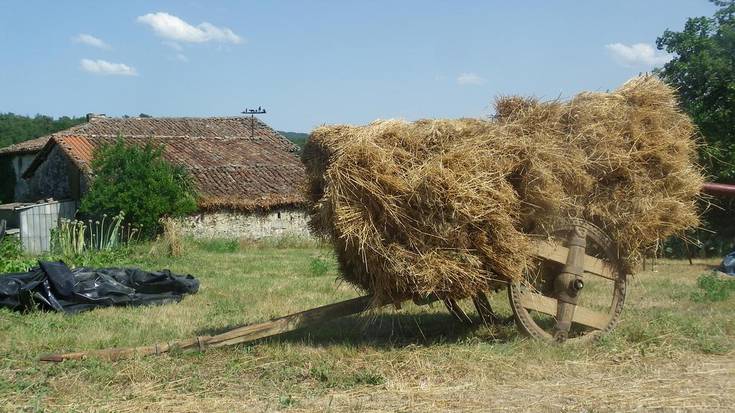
(670, 352)
(446, 206)
(172, 237)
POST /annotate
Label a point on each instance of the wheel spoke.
(558, 253)
(549, 306)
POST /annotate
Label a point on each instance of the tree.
(140, 182)
(703, 71)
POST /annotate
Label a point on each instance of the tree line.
(18, 128)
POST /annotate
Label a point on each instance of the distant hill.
(299, 138)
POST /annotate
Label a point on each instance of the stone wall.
(227, 224)
(15, 188)
(20, 164)
(51, 179)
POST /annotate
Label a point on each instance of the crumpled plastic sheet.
(728, 264)
(53, 286)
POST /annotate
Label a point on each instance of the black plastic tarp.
(728, 264)
(53, 286)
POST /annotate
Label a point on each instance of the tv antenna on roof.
(252, 113)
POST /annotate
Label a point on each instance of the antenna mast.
(252, 113)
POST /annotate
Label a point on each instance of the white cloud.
(181, 57)
(90, 40)
(103, 67)
(637, 55)
(465, 79)
(173, 28)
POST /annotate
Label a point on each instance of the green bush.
(318, 266)
(12, 258)
(140, 182)
(713, 287)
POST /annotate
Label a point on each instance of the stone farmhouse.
(248, 176)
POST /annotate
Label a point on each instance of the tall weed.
(75, 237)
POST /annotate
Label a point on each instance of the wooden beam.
(548, 305)
(308, 318)
(558, 253)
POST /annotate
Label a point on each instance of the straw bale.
(447, 206)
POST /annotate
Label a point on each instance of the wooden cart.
(574, 291)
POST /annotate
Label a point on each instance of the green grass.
(672, 350)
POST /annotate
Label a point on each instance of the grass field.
(674, 349)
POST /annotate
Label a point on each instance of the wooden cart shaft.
(237, 335)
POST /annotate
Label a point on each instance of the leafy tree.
(140, 182)
(703, 71)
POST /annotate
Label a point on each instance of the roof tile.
(230, 170)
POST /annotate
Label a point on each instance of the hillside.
(299, 138)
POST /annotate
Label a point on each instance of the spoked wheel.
(576, 288)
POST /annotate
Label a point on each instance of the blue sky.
(316, 62)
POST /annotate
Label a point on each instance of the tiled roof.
(29, 146)
(229, 171)
(223, 127)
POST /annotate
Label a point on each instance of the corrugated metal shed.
(35, 221)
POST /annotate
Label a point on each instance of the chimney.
(92, 116)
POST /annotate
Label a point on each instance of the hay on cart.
(446, 206)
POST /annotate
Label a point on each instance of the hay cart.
(550, 304)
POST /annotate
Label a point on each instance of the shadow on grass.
(392, 330)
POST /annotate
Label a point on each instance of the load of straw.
(445, 206)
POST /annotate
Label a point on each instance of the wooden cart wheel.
(576, 288)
